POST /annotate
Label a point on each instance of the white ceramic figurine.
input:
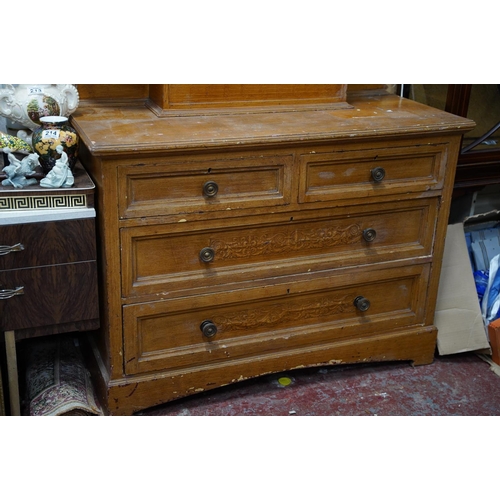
(60, 175)
(17, 170)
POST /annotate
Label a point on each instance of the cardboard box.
(458, 313)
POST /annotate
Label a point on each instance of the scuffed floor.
(461, 384)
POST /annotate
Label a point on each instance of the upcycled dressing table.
(247, 231)
(48, 266)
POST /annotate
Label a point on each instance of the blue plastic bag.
(491, 299)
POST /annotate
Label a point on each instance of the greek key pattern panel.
(43, 202)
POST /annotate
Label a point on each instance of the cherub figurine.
(17, 170)
(60, 175)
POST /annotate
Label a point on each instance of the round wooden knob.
(378, 174)
(369, 234)
(208, 328)
(361, 303)
(207, 254)
(210, 189)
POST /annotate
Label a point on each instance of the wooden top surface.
(115, 130)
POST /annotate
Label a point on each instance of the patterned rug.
(57, 381)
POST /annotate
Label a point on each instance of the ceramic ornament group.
(38, 126)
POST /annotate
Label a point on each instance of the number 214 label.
(50, 134)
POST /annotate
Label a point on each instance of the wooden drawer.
(168, 334)
(197, 185)
(49, 295)
(47, 243)
(167, 258)
(367, 173)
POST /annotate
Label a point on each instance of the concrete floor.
(462, 384)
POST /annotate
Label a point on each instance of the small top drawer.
(47, 243)
(198, 185)
(359, 174)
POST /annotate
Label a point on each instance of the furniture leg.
(10, 348)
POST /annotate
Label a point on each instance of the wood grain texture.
(259, 322)
(189, 97)
(113, 91)
(158, 92)
(296, 192)
(52, 295)
(48, 243)
(161, 261)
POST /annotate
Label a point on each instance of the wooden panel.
(52, 295)
(162, 259)
(130, 132)
(113, 91)
(366, 87)
(168, 334)
(201, 95)
(242, 183)
(48, 243)
(343, 175)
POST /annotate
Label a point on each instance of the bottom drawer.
(210, 329)
(48, 295)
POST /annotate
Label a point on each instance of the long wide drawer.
(195, 185)
(211, 329)
(167, 258)
(372, 172)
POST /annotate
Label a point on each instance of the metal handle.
(210, 189)
(369, 234)
(378, 174)
(208, 328)
(5, 249)
(8, 294)
(207, 254)
(361, 303)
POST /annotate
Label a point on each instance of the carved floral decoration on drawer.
(276, 314)
(284, 242)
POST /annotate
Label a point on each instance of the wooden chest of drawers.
(240, 244)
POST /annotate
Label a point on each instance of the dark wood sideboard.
(48, 265)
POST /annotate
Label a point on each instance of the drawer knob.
(361, 303)
(378, 174)
(8, 294)
(207, 254)
(369, 234)
(208, 328)
(210, 189)
(5, 249)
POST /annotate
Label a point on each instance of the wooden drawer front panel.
(168, 335)
(179, 188)
(47, 243)
(50, 295)
(157, 261)
(339, 176)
